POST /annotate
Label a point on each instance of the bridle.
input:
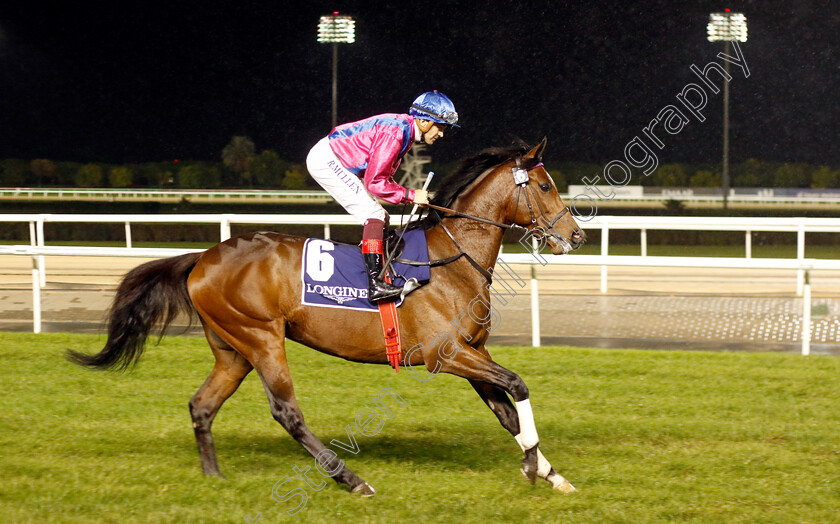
(522, 179)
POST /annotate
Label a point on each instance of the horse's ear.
(537, 151)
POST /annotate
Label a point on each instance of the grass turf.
(645, 436)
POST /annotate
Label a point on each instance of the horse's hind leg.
(498, 402)
(227, 374)
(269, 357)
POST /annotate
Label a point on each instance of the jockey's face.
(430, 131)
(434, 132)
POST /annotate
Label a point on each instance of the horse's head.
(510, 186)
(535, 203)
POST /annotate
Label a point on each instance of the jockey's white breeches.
(345, 187)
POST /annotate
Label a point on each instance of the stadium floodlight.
(726, 27)
(336, 29)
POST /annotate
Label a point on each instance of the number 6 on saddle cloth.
(333, 274)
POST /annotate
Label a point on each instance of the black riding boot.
(378, 289)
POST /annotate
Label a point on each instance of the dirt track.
(645, 307)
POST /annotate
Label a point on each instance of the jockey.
(356, 163)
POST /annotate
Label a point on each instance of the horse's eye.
(545, 187)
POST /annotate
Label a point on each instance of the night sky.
(149, 81)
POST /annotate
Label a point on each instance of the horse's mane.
(468, 170)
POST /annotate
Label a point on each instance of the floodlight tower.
(336, 29)
(726, 27)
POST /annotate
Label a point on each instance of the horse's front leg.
(494, 380)
(508, 416)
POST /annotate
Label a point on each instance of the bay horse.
(246, 291)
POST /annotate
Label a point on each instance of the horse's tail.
(152, 293)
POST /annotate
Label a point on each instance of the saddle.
(333, 275)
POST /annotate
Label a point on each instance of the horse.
(246, 292)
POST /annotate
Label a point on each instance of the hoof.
(364, 489)
(565, 487)
(560, 484)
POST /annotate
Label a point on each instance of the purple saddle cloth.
(333, 275)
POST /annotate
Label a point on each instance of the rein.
(461, 253)
(522, 180)
(471, 217)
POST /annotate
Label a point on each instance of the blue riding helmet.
(436, 107)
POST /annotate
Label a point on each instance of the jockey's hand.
(421, 196)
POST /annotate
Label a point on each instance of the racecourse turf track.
(645, 436)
